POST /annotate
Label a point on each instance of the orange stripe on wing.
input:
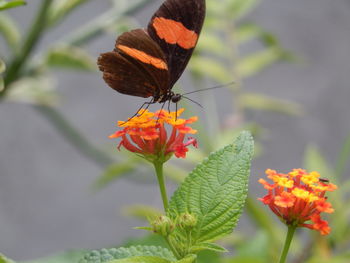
(174, 32)
(143, 57)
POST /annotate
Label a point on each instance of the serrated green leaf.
(239, 8)
(9, 30)
(108, 255)
(70, 57)
(4, 259)
(113, 172)
(14, 3)
(143, 212)
(258, 61)
(208, 246)
(258, 101)
(208, 67)
(215, 191)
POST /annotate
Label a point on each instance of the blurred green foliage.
(217, 58)
(10, 4)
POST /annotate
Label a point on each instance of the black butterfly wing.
(176, 27)
(136, 67)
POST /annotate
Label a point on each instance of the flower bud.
(187, 221)
(163, 226)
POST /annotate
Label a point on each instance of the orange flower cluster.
(146, 134)
(298, 197)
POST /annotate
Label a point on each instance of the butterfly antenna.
(191, 100)
(215, 87)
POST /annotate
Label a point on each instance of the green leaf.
(246, 32)
(240, 8)
(9, 30)
(108, 255)
(141, 259)
(207, 256)
(37, 90)
(113, 172)
(215, 191)
(208, 67)
(261, 102)
(258, 61)
(4, 259)
(212, 44)
(143, 212)
(6, 5)
(208, 246)
(70, 57)
(188, 259)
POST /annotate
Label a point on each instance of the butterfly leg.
(161, 109)
(148, 103)
(176, 111)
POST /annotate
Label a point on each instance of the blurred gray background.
(46, 203)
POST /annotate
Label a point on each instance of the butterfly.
(147, 62)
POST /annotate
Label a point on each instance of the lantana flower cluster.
(299, 197)
(147, 134)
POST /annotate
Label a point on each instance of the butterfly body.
(148, 62)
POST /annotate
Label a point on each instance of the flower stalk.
(161, 182)
(287, 242)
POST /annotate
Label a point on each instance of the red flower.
(146, 134)
(298, 197)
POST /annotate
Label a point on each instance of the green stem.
(172, 248)
(287, 242)
(161, 182)
(29, 44)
